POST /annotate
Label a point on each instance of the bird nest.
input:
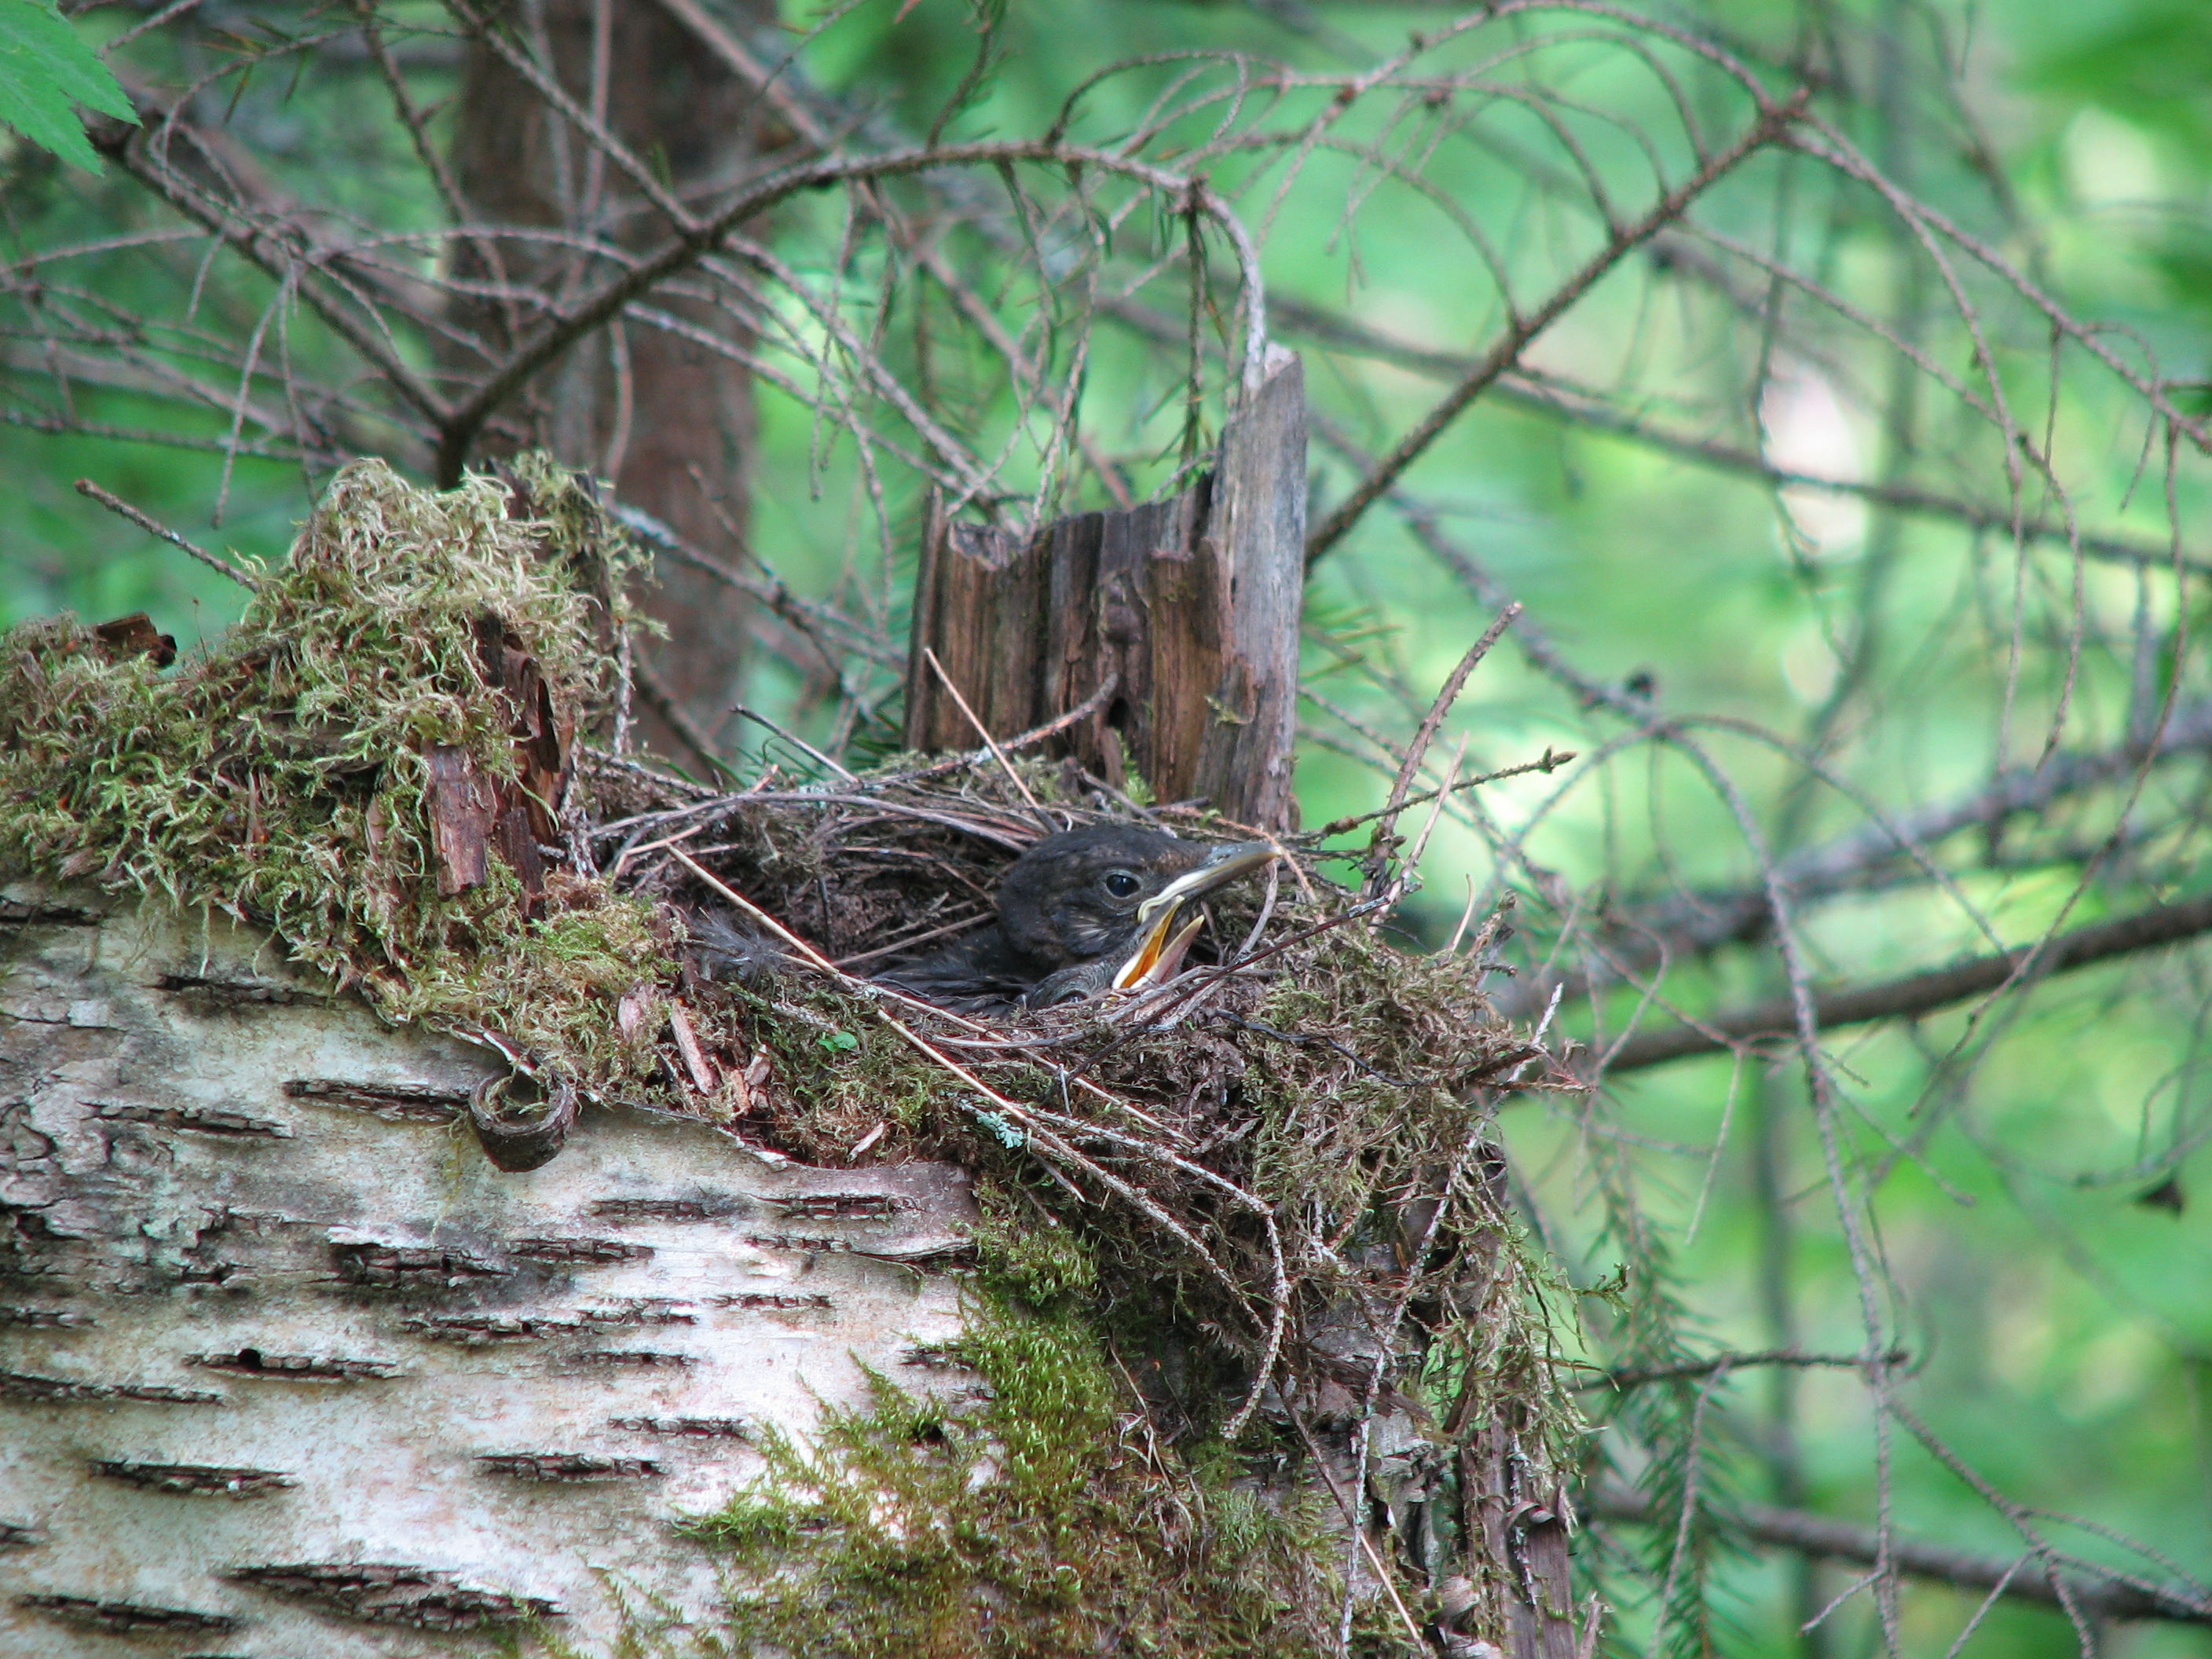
(1270, 1184)
(1301, 1065)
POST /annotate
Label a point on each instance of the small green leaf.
(45, 70)
(839, 1042)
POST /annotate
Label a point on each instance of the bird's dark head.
(1086, 893)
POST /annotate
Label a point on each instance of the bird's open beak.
(1163, 942)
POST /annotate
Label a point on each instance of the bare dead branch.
(1917, 994)
(2104, 1597)
(267, 240)
(697, 239)
(1637, 1376)
(1771, 124)
(1550, 762)
(1700, 920)
(57, 427)
(122, 509)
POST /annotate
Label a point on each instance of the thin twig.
(1548, 395)
(929, 656)
(1840, 1540)
(1551, 761)
(1522, 332)
(1352, 1522)
(793, 739)
(117, 505)
(961, 926)
(1380, 845)
(169, 14)
(1036, 734)
(1637, 1376)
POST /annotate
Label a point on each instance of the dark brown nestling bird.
(1109, 907)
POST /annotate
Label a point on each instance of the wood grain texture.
(1244, 754)
(1189, 607)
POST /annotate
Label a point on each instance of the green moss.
(1028, 1257)
(280, 776)
(1038, 1517)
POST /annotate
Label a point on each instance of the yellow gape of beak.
(1162, 946)
(1157, 957)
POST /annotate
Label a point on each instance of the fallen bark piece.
(463, 808)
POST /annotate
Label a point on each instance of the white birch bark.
(287, 1367)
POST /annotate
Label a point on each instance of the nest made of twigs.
(1251, 1127)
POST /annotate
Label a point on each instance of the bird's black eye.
(1120, 883)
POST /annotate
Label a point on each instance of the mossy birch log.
(287, 1367)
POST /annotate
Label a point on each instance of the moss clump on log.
(1246, 1237)
(280, 776)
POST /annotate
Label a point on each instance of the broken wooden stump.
(1187, 608)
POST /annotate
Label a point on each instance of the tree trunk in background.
(1189, 606)
(669, 422)
(287, 1367)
